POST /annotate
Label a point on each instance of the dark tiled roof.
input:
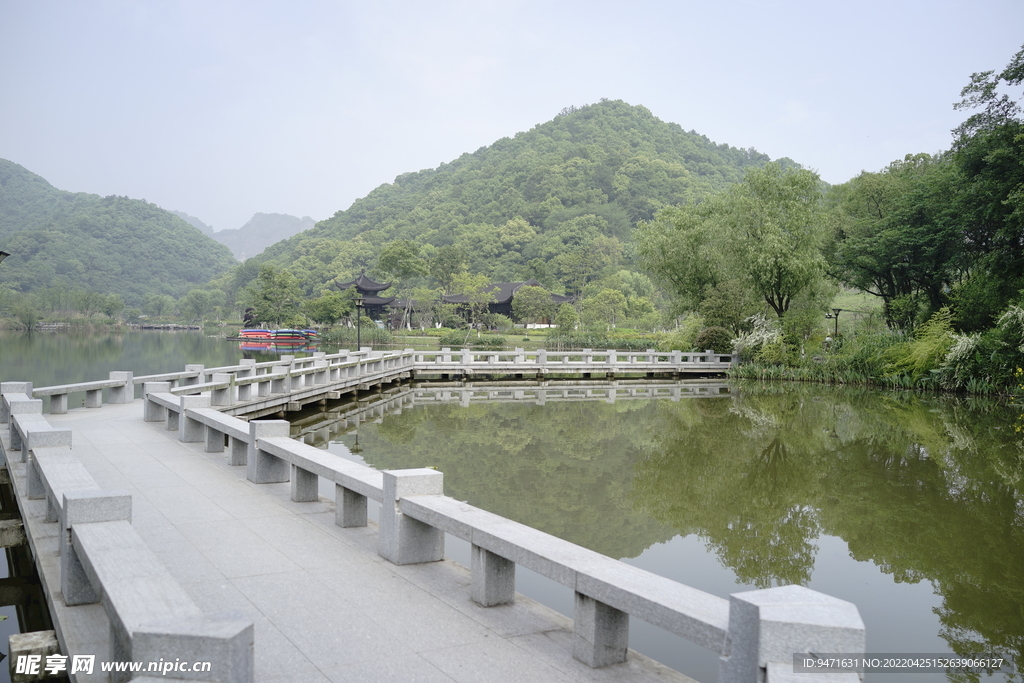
(364, 284)
(501, 291)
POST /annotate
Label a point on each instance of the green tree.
(447, 263)
(532, 304)
(681, 248)
(776, 220)
(274, 295)
(604, 308)
(478, 294)
(329, 308)
(768, 230)
(196, 305)
(898, 235)
(567, 318)
(158, 305)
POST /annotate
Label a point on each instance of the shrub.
(717, 339)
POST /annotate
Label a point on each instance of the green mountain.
(110, 245)
(577, 184)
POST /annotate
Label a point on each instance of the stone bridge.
(176, 529)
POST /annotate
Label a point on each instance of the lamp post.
(834, 315)
(359, 322)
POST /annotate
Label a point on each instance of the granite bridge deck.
(265, 552)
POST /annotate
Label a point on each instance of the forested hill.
(110, 245)
(511, 208)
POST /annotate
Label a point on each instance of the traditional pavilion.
(503, 293)
(369, 289)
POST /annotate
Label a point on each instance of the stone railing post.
(279, 383)
(82, 507)
(600, 632)
(198, 379)
(124, 393)
(770, 626)
(225, 640)
(191, 431)
(32, 405)
(245, 390)
(262, 467)
(223, 397)
(404, 540)
(12, 388)
(153, 411)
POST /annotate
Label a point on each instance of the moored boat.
(255, 334)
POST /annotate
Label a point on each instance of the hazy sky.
(225, 108)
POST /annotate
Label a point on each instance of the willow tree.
(767, 232)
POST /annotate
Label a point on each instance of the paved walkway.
(326, 607)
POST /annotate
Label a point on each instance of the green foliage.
(471, 340)
(567, 318)
(329, 308)
(532, 304)
(683, 338)
(274, 296)
(919, 356)
(107, 245)
(718, 339)
(898, 235)
(603, 309)
(767, 231)
(557, 203)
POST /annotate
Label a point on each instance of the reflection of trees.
(740, 482)
(925, 489)
(563, 467)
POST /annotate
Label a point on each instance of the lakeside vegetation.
(662, 239)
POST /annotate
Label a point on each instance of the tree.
(274, 295)
(605, 307)
(567, 318)
(329, 308)
(196, 304)
(532, 304)
(899, 236)
(478, 292)
(448, 262)
(158, 305)
(768, 231)
(401, 260)
(680, 247)
(776, 219)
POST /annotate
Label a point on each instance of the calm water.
(912, 508)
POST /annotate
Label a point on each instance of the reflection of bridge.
(322, 427)
(153, 546)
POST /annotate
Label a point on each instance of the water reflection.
(924, 488)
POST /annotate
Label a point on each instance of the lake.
(909, 506)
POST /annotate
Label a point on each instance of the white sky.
(223, 108)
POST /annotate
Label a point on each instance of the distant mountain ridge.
(109, 245)
(262, 230)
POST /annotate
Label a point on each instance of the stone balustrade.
(120, 390)
(103, 559)
(755, 632)
(752, 631)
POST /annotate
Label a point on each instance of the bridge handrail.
(102, 557)
(541, 357)
(700, 617)
(415, 515)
